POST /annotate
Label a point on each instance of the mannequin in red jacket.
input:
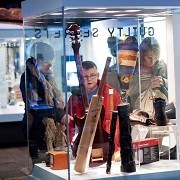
(110, 102)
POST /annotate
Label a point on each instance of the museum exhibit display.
(100, 85)
(12, 65)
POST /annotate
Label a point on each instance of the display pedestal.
(13, 113)
(11, 124)
(163, 169)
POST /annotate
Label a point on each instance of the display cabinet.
(131, 46)
(12, 65)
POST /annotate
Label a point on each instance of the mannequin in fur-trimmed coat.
(43, 93)
(46, 117)
(44, 105)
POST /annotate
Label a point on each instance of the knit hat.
(127, 52)
(130, 43)
(42, 51)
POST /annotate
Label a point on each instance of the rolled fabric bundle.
(127, 58)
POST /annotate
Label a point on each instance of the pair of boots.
(161, 118)
(163, 111)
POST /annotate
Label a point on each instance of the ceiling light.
(111, 12)
(70, 22)
(101, 8)
(56, 14)
(92, 11)
(163, 13)
(132, 10)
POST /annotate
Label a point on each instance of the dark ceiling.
(10, 11)
(10, 4)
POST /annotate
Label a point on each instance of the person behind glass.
(44, 112)
(153, 71)
(75, 106)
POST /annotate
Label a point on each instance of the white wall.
(176, 38)
(3, 77)
(170, 58)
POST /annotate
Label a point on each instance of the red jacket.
(75, 107)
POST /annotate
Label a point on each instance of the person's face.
(90, 79)
(149, 59)
(45, 66)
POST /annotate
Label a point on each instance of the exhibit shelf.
(161, 170)
(12, 113)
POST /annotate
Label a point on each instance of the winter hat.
(130, 43)
(127, 52)
(42, 51)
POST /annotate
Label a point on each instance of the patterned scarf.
(54, 132)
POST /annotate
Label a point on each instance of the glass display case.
(12, 65)
(98, 85)
(12, 55)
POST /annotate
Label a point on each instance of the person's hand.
(156, 82)
(63, 120)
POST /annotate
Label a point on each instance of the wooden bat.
(88, 133)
